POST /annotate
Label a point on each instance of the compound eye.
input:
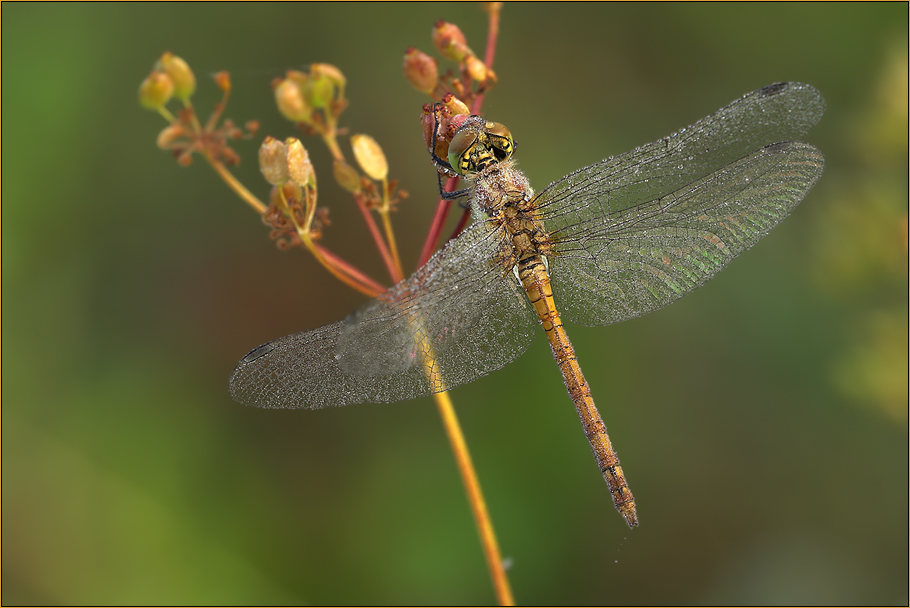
(459, 150)
(499, 129)
(500, 140)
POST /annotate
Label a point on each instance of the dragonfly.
(606, 243)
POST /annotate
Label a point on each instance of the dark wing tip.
(810, 97)
(256, 353)
(238, 382)
(773, 89)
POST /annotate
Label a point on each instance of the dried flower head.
(273, 161)
(370, 157)
(299, 166)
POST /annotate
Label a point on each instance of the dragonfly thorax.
(502, 196)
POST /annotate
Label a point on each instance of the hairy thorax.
(504, 197)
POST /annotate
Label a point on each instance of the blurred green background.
(762, 420)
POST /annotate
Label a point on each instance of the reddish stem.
(450, 420)
(461, 223)
(367, 283)
(492, 39)
(439, 220)
(442, 210)
(492, 35)
(380, 243)
(429, 245)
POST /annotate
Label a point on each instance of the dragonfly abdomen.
(535, 280)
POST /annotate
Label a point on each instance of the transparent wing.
(457, 318)
(779, 112)
(631, 231)
(301, 371)
(633, 259)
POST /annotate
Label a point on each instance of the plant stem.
(462, 223)
(493, 10)
(394, 272)
(167, 115)
(368, 286)
(393, 247)
(336, 272)
(442, 212)
(475, 498)
(248, 197)
(444, 404)
(340, 272)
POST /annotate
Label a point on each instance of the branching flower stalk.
(313, 101)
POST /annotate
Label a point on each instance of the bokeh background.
(762, 420)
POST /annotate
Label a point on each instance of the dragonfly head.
(477, 144)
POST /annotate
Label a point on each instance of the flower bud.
(326, 82)
(301, 78)
(421, 70)
(223, 81)
(370, 157)
(454, 105)
(290, 101)
(273, 161)
(156, 90)
(437, 116)
(300, 169)
(330, 72)
(180, 73)
(450, 41)
(346, 176)
(476, 68)
(320, 92)
(428, 122)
